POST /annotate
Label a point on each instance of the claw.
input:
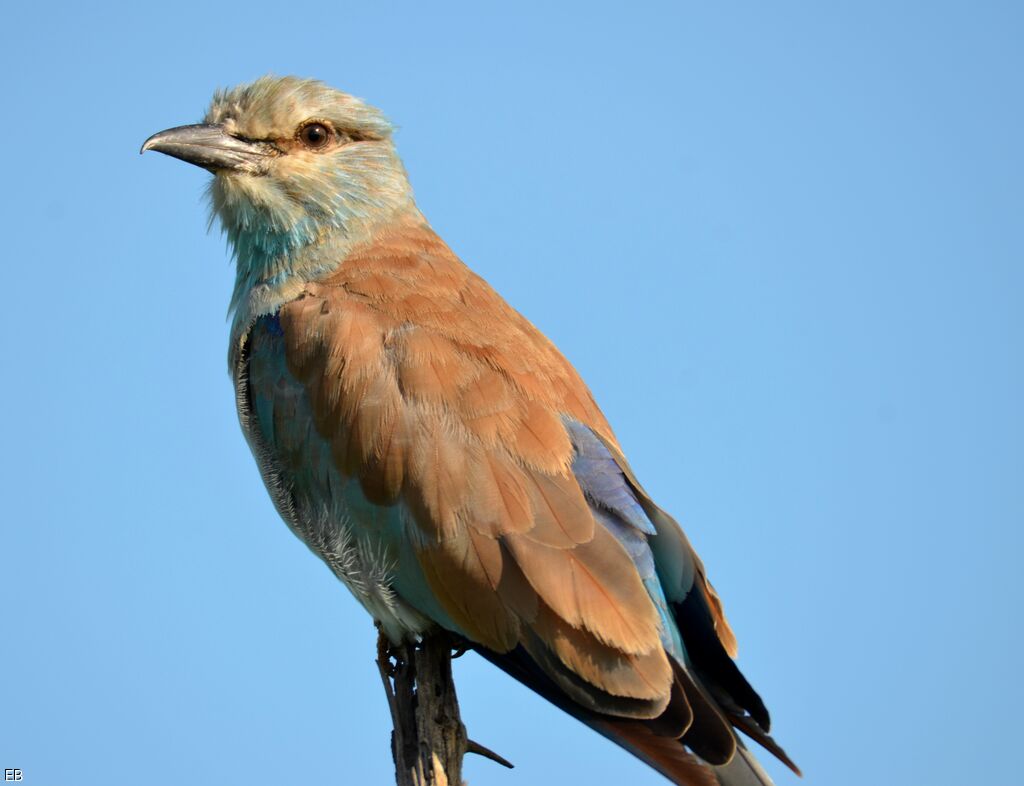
(487, 753)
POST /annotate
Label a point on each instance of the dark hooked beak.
(211, 147)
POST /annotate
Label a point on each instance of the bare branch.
(429, 740)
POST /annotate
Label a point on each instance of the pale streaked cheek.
(303, 192)
(241, 201)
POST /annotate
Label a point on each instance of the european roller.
(439, 454)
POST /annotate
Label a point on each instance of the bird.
(439, 453)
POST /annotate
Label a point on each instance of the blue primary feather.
(602, 480)
(616, 508)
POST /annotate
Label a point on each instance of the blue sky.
(783, 244)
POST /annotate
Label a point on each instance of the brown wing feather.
(593, 586)
(434, 392)
(503, 503)
(609, 668)
(465, 572)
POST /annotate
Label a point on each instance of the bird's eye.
(314, 135)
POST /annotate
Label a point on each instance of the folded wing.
(521, 526)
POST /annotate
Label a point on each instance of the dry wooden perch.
(428, 740)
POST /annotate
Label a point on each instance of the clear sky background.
(781, 241)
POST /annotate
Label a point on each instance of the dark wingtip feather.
(762, 738)
(711, 659)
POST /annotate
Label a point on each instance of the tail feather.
(655, 742)
(664, 754)
(743, 770)
(673, 761)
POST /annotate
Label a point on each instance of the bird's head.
(295, 163)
